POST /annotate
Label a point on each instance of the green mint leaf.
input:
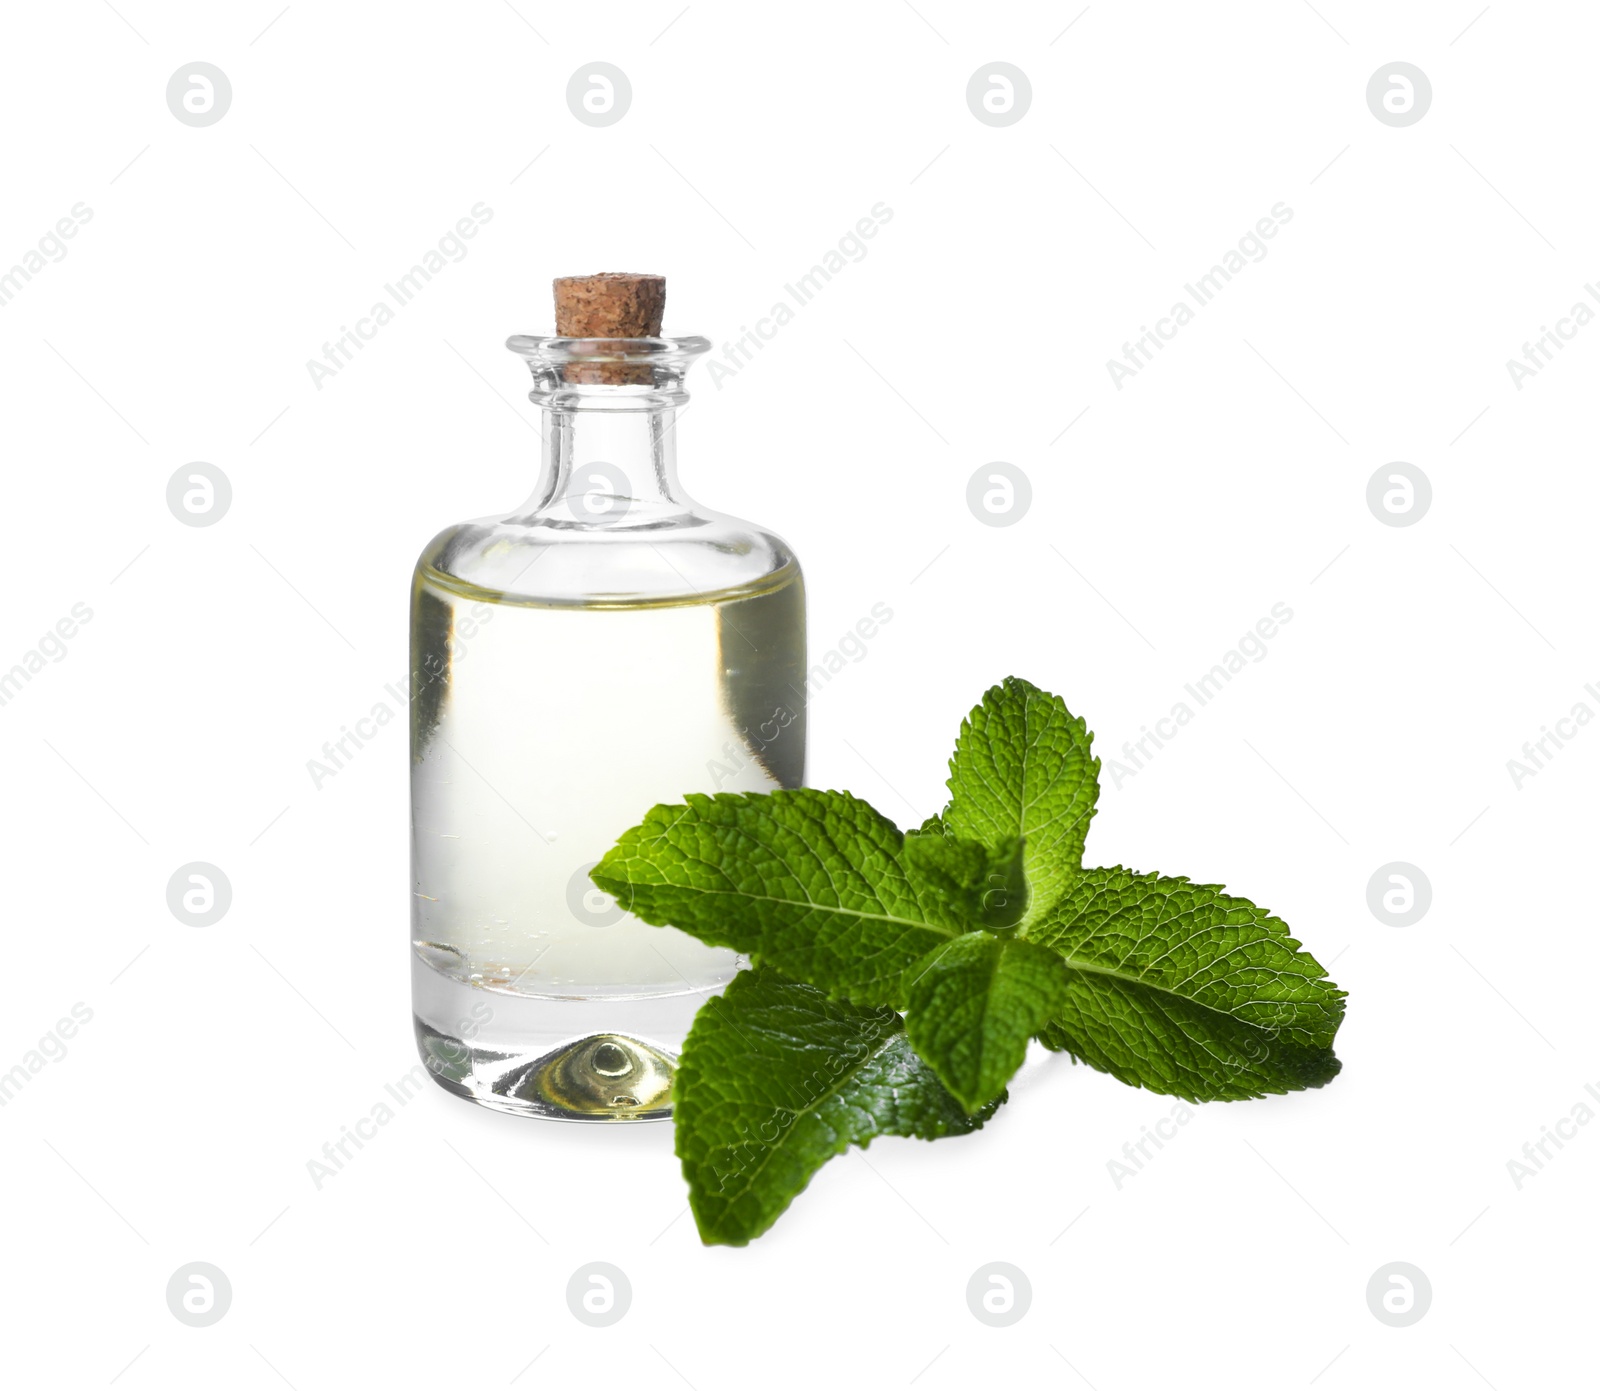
(965, 884)
(1023, 767)
(776, 1079)
(810, 882)
(1187, 990)
(975, 1001)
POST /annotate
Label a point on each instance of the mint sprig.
(983, 927)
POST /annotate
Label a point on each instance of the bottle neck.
(608, 421)
(607, 468)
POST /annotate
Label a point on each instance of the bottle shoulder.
(693, 557)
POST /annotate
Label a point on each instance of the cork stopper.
(613, 304)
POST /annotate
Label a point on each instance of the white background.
(1229, 475)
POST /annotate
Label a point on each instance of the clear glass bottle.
(607, 646)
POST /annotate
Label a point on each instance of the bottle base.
(553, 1059)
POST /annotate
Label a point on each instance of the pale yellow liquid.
(545, 732)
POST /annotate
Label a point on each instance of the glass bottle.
(608, 645)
